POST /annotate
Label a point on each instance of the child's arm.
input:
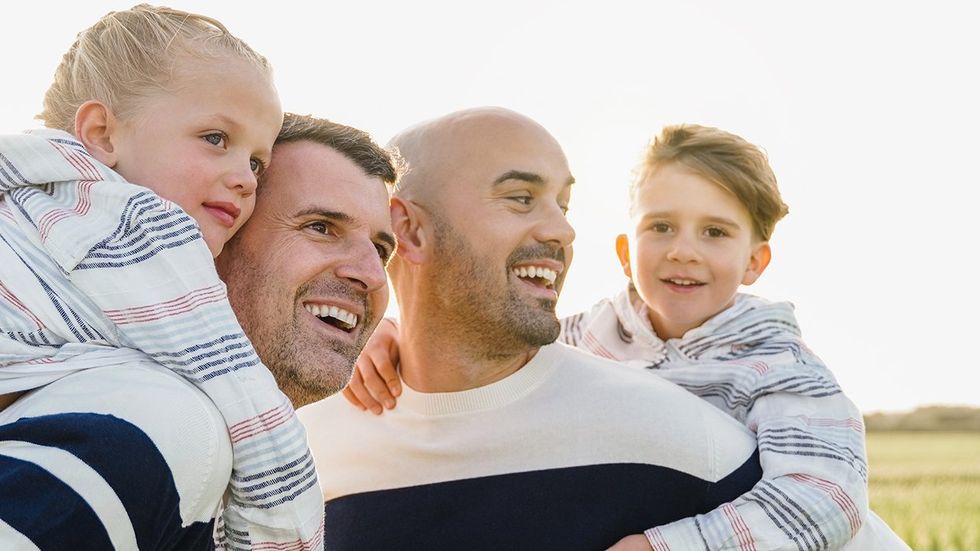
(142, 277)
(813, 494)
(375, 379)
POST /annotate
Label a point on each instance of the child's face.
(693, 247)
(202, 143)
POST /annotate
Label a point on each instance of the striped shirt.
(750, 361)
(90, 262)
(128, 456)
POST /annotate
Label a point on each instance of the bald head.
(460, 145)
(483, 242)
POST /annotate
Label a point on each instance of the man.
(306, 274)
(502, 439)
(128, 454)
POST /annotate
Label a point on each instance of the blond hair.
(723, 158)
(127, 55)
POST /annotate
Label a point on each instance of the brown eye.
(319, 227)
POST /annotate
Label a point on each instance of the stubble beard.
(498, 317)
(307, 367)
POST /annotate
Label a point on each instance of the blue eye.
(215, 138)
(257, 166)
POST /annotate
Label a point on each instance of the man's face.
(502, 242)
(306, 274)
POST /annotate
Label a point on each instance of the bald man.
(503, 439)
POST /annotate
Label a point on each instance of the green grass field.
(926, 486)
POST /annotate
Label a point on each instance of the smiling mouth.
(332, 315)
(682, 282)
(538, 276)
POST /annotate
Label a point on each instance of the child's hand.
(375, 379)
(636, 542)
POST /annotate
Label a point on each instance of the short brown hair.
(350, 142)
(725, 159)
(127, 54)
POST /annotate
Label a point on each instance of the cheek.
(248, 208)
(645, 260)
(379, 301)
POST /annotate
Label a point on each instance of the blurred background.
(868, 111)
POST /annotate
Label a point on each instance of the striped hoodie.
(750, 361)
(90, 262)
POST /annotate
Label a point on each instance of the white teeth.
(536, 271)
(683, 281)
(322, 311)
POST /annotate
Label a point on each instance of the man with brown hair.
(134, 456)
(306, 274)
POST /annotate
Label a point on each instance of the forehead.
(489, 148)
(224, 89)
(675, 187)
(305, 175)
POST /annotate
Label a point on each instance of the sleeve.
(144, 274)
(97, 481)
(571, 328)
(813, 493)
(155, 281)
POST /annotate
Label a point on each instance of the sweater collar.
(509, 389)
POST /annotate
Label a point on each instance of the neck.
(434, 359)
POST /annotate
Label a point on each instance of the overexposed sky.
(870, 113)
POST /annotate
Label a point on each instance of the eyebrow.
(712, 219)
(265, 155)
(344, 218)
(525, 176)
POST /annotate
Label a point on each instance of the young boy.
(703, 208)
(96, 270)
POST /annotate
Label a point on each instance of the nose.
(682, 250)
(242, 178)
(362, 266)
(555, 228)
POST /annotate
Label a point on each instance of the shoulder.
(132, 453)
(646, 414)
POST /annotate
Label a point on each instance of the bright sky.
(869, 112)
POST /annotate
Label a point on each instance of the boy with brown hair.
(703, 207)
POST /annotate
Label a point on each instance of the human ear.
(623, 252)
(761, 255)
(94, 125)
(410, 230)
